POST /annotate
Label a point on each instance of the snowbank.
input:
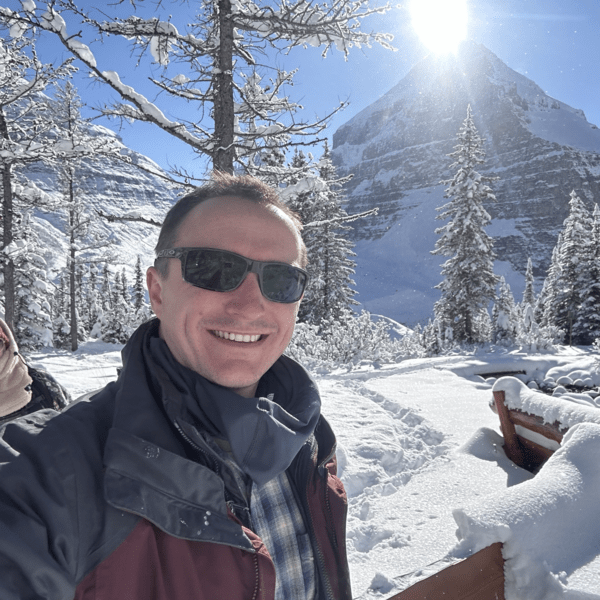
(550, 525)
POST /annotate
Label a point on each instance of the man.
(206, 470)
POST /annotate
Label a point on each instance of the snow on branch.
(303, 23)
(347, 219)
(136, 218)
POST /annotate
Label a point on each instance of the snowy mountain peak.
(397, 148)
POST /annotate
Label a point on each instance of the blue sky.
(553, 42)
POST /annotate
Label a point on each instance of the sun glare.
(440, 24)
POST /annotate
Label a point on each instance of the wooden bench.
(528, 441)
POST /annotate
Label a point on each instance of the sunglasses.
(223, 271)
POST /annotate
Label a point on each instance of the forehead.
(261, 232)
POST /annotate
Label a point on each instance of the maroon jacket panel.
(153, 565)
(328, 515)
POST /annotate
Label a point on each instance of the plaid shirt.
(277, 520)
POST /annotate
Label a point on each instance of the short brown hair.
(221, 184)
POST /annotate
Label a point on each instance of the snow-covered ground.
(421, 456)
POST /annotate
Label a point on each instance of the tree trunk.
(7, 234)
(224, 151)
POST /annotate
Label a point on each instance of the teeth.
(237, 337)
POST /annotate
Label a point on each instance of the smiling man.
(206, 471)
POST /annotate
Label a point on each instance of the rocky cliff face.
(539, 148)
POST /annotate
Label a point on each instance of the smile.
(237, 337)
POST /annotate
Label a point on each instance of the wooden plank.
(552, 431)
(478, 577)
(512, 446)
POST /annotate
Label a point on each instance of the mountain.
(114, 187)
(397, 148)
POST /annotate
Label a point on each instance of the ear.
(155, 285)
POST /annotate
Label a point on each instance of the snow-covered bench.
(533, 424)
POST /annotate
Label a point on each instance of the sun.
(440, 24)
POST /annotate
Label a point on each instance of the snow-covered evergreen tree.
(504, 315)
(549, 288)
(141, 309)
(139, 294)
(470, 282)
(318, 200)
(93, 304)
(115, 324)
(106, 295)
(432, 338)
(298, 194)
(534, 337)
(587, 324)
(569, 273)
(33, 326)
(206, 52)
(529, 292)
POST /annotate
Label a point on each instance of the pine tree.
(587, 325)
(141, 309)
(117, 289)
(570, 272)
(214, 52)
(33, 327)
(125, 287)
(469, 283)
(299, 195)
(139, 294)
(504, 315)
(432, 339)
(60, 323)
(545, 300)
(318, 199)
(115, 324)
(528, 292)
(106, 295)
(94, 306)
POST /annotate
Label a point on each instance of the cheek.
(288, 320)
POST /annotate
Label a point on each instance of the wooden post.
(512, 446)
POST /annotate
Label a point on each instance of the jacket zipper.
(235, 518)
(326, 581)
(257, 578)
(195, 446)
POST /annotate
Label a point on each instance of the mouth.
(238, 337)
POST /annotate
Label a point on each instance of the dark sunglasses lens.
(214, 270)
(282, 283)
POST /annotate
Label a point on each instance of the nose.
(247, 300)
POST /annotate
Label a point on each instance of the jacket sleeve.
(38, 511)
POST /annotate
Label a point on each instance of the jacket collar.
(265, 433)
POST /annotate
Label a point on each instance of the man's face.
(195, 322)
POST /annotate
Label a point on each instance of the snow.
(537, 520)
(420, 453)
